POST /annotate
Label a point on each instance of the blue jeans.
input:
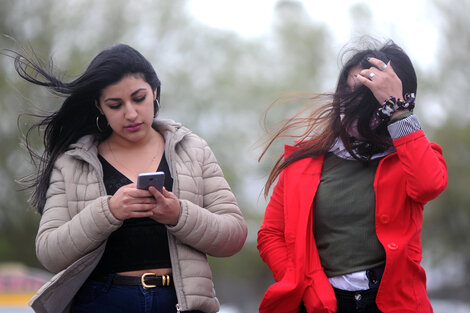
(99, 297)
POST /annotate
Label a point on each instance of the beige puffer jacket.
(77, 221)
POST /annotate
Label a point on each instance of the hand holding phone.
(156, 179)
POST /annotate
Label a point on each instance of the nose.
(130, 113)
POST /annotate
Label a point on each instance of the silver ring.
(371, 75)
(383, 67)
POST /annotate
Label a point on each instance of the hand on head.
(382, 80)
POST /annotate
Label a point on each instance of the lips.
(133, 127)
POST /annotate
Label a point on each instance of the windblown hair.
(77, 115)
(323, 125)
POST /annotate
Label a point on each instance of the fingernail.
(368, 58)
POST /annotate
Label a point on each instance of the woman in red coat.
(341, 232)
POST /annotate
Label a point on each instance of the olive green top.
(344, 217)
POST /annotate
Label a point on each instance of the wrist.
(396, 114)
(112, 208)
(393, 107)
(175, 220)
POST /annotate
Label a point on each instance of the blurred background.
(222, 63)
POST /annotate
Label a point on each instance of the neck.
(119, 142)
(132, 158)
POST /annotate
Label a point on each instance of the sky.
(411, 23)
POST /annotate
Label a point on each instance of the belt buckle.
(144, 284)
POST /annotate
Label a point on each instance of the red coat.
(404, 182)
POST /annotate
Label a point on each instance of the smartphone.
(156, 179)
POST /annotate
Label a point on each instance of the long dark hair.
(323, 125)
(77, 116)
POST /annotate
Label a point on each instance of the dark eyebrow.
(117, 99)
(135, 92)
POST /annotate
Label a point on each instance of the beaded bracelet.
(393, 104)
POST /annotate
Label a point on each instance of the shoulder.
(289, 149)
(176, 132)
(194, 141)
(306, 164)
(296, 145)
(85, 149)
(195, 148)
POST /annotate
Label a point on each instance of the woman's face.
(129, 108)
(354, 83)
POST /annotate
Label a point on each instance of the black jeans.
(357, 301)
(362, 301)
(353, 301)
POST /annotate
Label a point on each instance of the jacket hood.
(163, 125)
(172, 131)
(86, 143)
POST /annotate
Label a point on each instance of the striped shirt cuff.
(404, 127)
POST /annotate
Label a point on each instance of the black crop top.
(140, 243)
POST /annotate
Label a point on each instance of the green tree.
(447, 220)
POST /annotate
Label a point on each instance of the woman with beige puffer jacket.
(113, 245)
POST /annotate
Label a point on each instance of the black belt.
(147, 280)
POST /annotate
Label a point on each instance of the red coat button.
(384, 219)
(392, 246)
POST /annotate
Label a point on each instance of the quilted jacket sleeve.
(213, 225)
(66, 232)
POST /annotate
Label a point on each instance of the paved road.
(438, 305)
